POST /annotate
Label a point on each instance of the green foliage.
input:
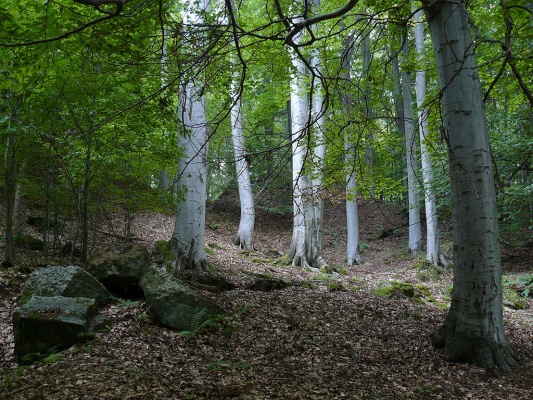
(127, 303)
(243, 310)
(48, 357)
(416, 293)
(202, 321)
(282, 211)
(522, 284)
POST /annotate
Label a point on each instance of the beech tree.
(307, 149)
(353, 255)
(433, 253)
(473, 331)
(187, 242)
(244, 236)
(415, 227)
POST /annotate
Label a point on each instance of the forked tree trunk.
(306, 243)
(314, 204)
(473, 331)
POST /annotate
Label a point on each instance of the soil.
(326, 336)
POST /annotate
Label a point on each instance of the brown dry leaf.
(295, 343)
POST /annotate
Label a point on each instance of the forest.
(371, 160)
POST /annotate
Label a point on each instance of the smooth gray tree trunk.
(415, 226)
(433, 253)
(353, 255)
(187, 241)
(306, 127)
(367, 95)
(473, 331)
(245, 232)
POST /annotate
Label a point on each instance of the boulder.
(174, 304)
(205, 281)
(47, 323)
(264, 283)
(68, 281)
(119, 268)
(28, 242)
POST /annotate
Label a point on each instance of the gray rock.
(266, 284)
(119, 268)
(206, 281)
(68, 281)
(172, 303)
(46, 323)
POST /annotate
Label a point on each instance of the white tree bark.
(306, 243)
(473, 331)
(313, 212)
(187, 241)
(244, 236)
(433, 253)
(415, 226)
(352, 216)
(369, 140)
(299, 120)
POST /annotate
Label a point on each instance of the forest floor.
(328, 336)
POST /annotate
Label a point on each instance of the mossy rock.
(159, 252)
(334, 286)
(29, 242)
(512, 299)
(66, 281)
(428, 274)
(211, 282)
(173, 303)
(265, 283)
(403, 289)
(46, 323)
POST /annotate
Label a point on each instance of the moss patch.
(416, 293)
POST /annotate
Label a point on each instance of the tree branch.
(306, 23)
(95, 3)
(98, 3)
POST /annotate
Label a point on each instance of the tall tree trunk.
(433, 253)
(299, 125)
(367, 92)
(306, 127)
(9, 193)
(244, 236)
(397, 87)
(187, 241)
(415, 227)
(17, 202)
(85, 194)
(164, 181)
(473, 331)
(350, 151)
(313, 213)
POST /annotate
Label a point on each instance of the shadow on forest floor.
(326, 337)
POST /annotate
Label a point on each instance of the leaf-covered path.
(328, 336)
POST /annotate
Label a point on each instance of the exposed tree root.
(482, 351)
